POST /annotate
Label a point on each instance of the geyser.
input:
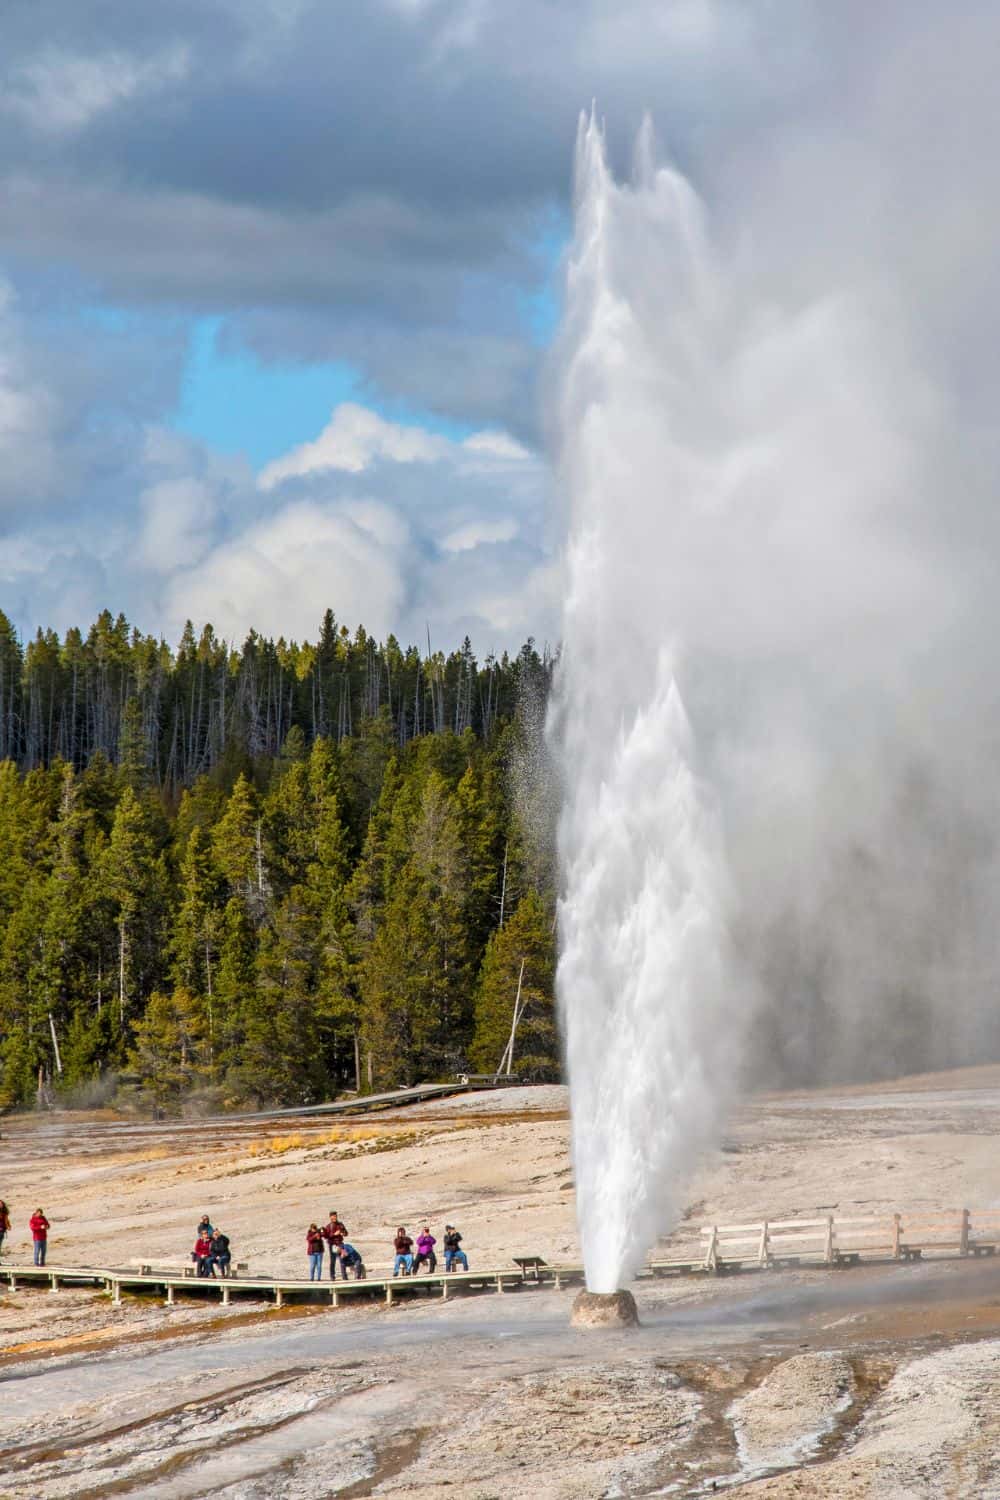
(776, 678)
(642, 982)
(604, 1310)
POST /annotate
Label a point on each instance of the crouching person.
(453, 1254)
(350, 1260)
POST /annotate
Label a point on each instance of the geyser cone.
(604, 1310)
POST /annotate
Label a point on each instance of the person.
(350, 1260)
(335, 1233)
(404, 1256)
(40, 1235)
(314, 1247)
(221, 1256)
(204, 1230)
(4, 1223)
(425, 1251)
(452, 1252)
(202, 1255)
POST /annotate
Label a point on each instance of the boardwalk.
(388, 1289)
(822, 1243)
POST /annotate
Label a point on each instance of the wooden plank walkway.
(836, 1241)
(359, 1104)
(827, 1241)
(116, 1280)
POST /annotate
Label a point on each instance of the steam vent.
(604, 1310)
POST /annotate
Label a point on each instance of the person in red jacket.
(4, 1223)
(335, 1233)
(202, 1255)
(314, 1246)
(403, 1246)
(40, 1235)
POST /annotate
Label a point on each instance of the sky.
(280, 280)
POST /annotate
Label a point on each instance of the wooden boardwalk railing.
(836, 1241)
(825, 1241)
(280, 1290)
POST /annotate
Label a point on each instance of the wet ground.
(441, 1400)
(874, 1381)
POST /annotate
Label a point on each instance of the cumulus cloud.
(392, 525)
(282, 572)
(395, 526)
(337, 215)
(179, 518)
(352, 439)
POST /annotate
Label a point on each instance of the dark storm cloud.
(366, 172)
(371, 150)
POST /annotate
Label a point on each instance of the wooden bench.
(530, 1266)
(179, 1267)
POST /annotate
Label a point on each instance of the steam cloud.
(780, 510)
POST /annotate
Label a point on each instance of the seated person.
(202, 1256)
(425, 1251)
(403, 1246)
(452, 1253)
(219, 1244)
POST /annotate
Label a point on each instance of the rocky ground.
(880, 1381)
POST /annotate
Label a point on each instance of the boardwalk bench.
(176, 1266)
(530, 1266)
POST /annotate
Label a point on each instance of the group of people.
(409, 1260)
(333, 1237)
(39, 1226)
(212, 1254)
(211, 1249)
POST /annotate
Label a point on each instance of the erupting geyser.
(643, 911)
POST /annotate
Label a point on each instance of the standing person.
(350, 1260)
(204, 1230)
(40, 1235)
(314, 1247)
(452, 1252)
(404, 1252)
(221, 1256)
(425, 1251)
(4, 1223)
(202, 1255)
(335, 1233)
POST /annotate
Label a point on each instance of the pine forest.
(268, 875)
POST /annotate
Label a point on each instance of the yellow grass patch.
(351, 1138)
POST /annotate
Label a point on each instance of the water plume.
(775, 719)
(642, 976)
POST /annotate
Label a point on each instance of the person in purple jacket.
(425, 1251)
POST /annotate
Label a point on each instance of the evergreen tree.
(239, 850)
(306, 850)
(415, 979)
(169, 1055)
(129, 877)
(197, 925)
(528, 940)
